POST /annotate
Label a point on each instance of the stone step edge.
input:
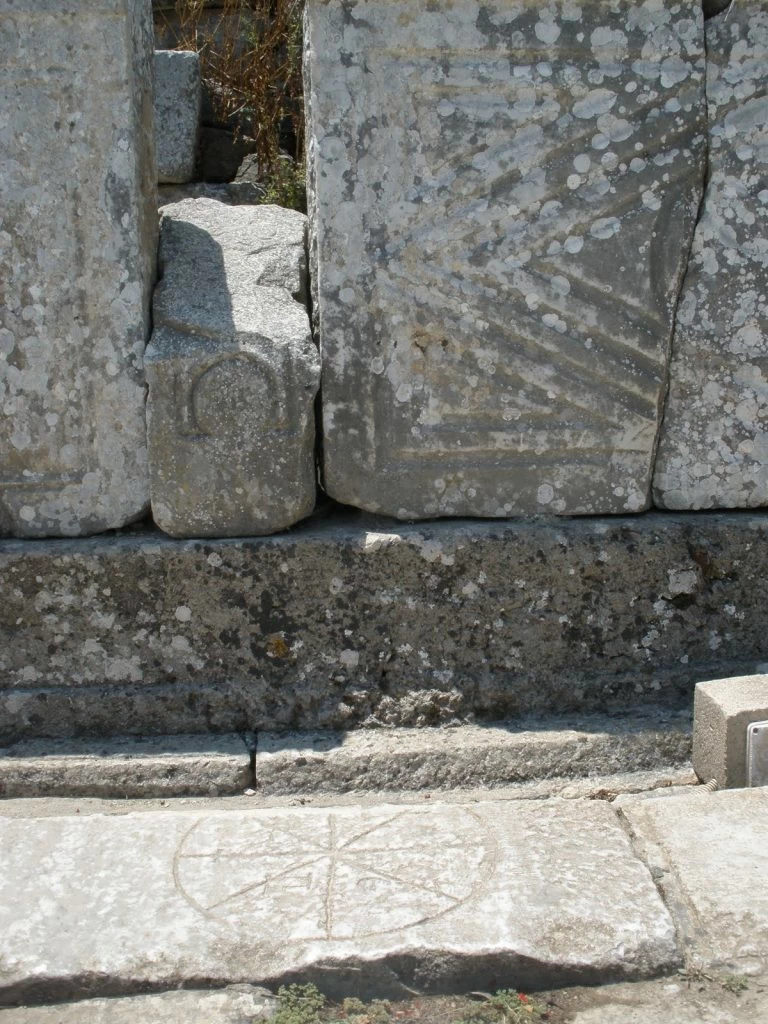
(463, 757)
(468, 756)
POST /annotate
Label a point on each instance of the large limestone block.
(78, 230)
(233, 372)
(713, 451)
(709, 852)
(178, 101)
(504, 195)
(387, 898)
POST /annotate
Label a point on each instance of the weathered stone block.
(78, 227)
(390, 898)
(353, 620)
(723, 708)
(713, 451)
(504, 196)
(178, 99)
(126, 768)
(233, 372)
(709, 853)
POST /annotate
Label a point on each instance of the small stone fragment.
(233, 372)
(713, 451)
(178, 99)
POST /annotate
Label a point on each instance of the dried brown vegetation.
(250, 56)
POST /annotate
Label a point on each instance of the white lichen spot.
(545, 494)
(183, 613)
(595, 103)
(605, 227)
(547, 31)
(349, 659)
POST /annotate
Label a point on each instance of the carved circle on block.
(340, 879)
(239, 389)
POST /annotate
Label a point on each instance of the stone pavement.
(370, 899)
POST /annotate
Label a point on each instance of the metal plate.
(757, 754)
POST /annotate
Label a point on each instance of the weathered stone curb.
(359, 761)
(162, 766)
(391, 898)
(364, 621)
(380, 760)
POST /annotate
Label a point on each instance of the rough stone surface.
(236, 1004)
(723, 708)
(392, 896)
(113, 768)
(468, 756)
(699, 1000)
(233, 372)
(361, 620)
(713, 451)
(504, 198)
(77, 244)
(178, 99)
(709, 854)
(235, 193)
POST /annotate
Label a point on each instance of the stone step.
(382, 900)
(132, 767)
(358, 620)
(363, 760)
(471, 756)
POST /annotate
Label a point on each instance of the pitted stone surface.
(357, 620)
(402, 895)
(233, 372)
(77, 245)
(504, 196)
(713, 451)
(178, 100)
(709, 852)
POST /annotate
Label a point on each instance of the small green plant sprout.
(378, 1011)
(299, 1004)
(734, 983)
(507, 1006)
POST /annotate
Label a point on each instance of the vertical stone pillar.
(504, 194)
(713, 449)
(77, 246)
